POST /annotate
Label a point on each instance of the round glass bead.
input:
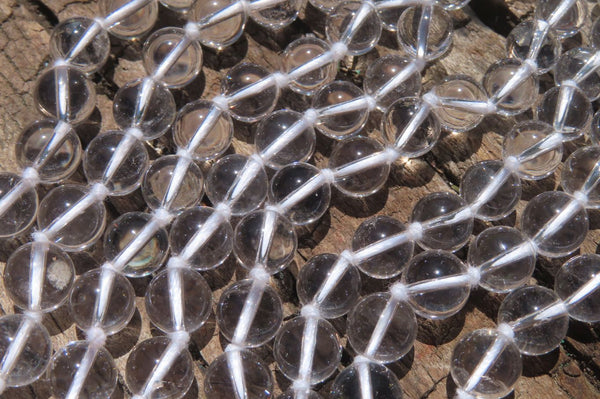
(541, 210)
(221, 383)
(265, 321)
(98, 162)
(100, 381)
(327, 354)
(82, 231)
(214, 142)
(520, 39)
(253, 107)
(66, 37)
(293, 394)
(389, 263)
(595, 129)
(569, 65)
(572, 105)
(504, 371)
(324, 5)
(360, 35)
(389, 15)
(214, 250)
(499, 274)
(292, 177)
(146, 105)
(439, 32)
(518, 100)
(222, 33)
(19, 216)
(182, 6)
(134, 25)
(143, 361)
(225, 174)
(534, 337)
(64, 92)
(277, 16)
(384, 383)
(123, 231)
(462, 88)
(156, 186)
(570, 23)
(452, 4)
(249, 240)
(576, 171)
(353, 150)
(445, 235)
(340, 125)
(160, 45)
(272, 127)
(312, 278)
(120, 304)
(480, 176)
(396, 119)
(382, 71)
(33, 359)
(429, 266)
(524, 136)
(195, 300)
(398, 337)
(57, 276)
(300, 52)
(571, 277)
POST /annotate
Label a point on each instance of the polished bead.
(382, 71)
(570, 23)
(300, 52)
(223, 33)
(439, 31)
(461, 88)
(278, 15)
(567, 110)
(360, 35)
(571, 63)
(345, 124)
(520, 39)
(349, 384)
(571, 277)
(135, 25)
(577, 171)
(20, 215)
(517, 100)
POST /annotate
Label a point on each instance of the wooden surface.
(572, 371)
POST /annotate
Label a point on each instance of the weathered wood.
(569, 372)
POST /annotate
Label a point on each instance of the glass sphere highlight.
(301, 51)
(340, 125)
(382, 71)
(439, 34)
(520, 39)
(571, 63)
(462, 88)
(135, 25)
(518, 100)
(384, 383)
(576, 171)
(572, 105)
(277, 16)
(570, 23)
(360, 35)
(223, 33)
(20, 215)
(571, 277)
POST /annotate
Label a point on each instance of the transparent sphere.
(159, 188)
(571, 22)
(504, 371)
(33, 359)
(255, 106)
(399, 335)
(429, 266)
(80, 232)
(384, 383)
(265, 322)
(452, 4)
(66, 36)
(595, 34)
(300, 52)
(293, 394)
(439, 33)
(356, 24)
(577, 169)
(573, 61)
(98, 162)
(214, 250)
(292, 177)
(146, 105)
(142, 362)
(567, 109)
(181, 6)
(382, 71)
(57, 276)
(221, 383)
(389, 15)
(324, 5)
(274, 251)
(191, 119)
(520, 39)
(313, 276)
(340, 125)
(595, 130)
(196, 300)
(327, 354)
(504, 257)
(135, 25)
(19, 216)
(534, 337)
(481, 175)
(348, 152)
(541, 210)
(519, 99)
(123, 231)
(461, 88)
(101, 379)
(417, 141)
(278, 15)
(87, 290)
(224, 177)
(389, 263)
(274, 126)
(443, 234)
(158, 47)
(222, 33)
(524, 136)
(571, 277)
(64, 92)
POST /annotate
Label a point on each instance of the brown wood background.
(572, 371)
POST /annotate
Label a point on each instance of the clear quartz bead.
(571, 63)
(182, 6)
(293, 394)
(223, 33)
(570, 23)
(300, 52)
(520, 98)
(277, 16)
(520, 40)
(567, 110)
(20, 214)
(389, 15)
(461, 88)
(356, 24)
(382, 71)
(325, 6)
(135, 25)
(439, 31)
(572, 277)
(577, 169)
(384, 383)
(340, 125)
